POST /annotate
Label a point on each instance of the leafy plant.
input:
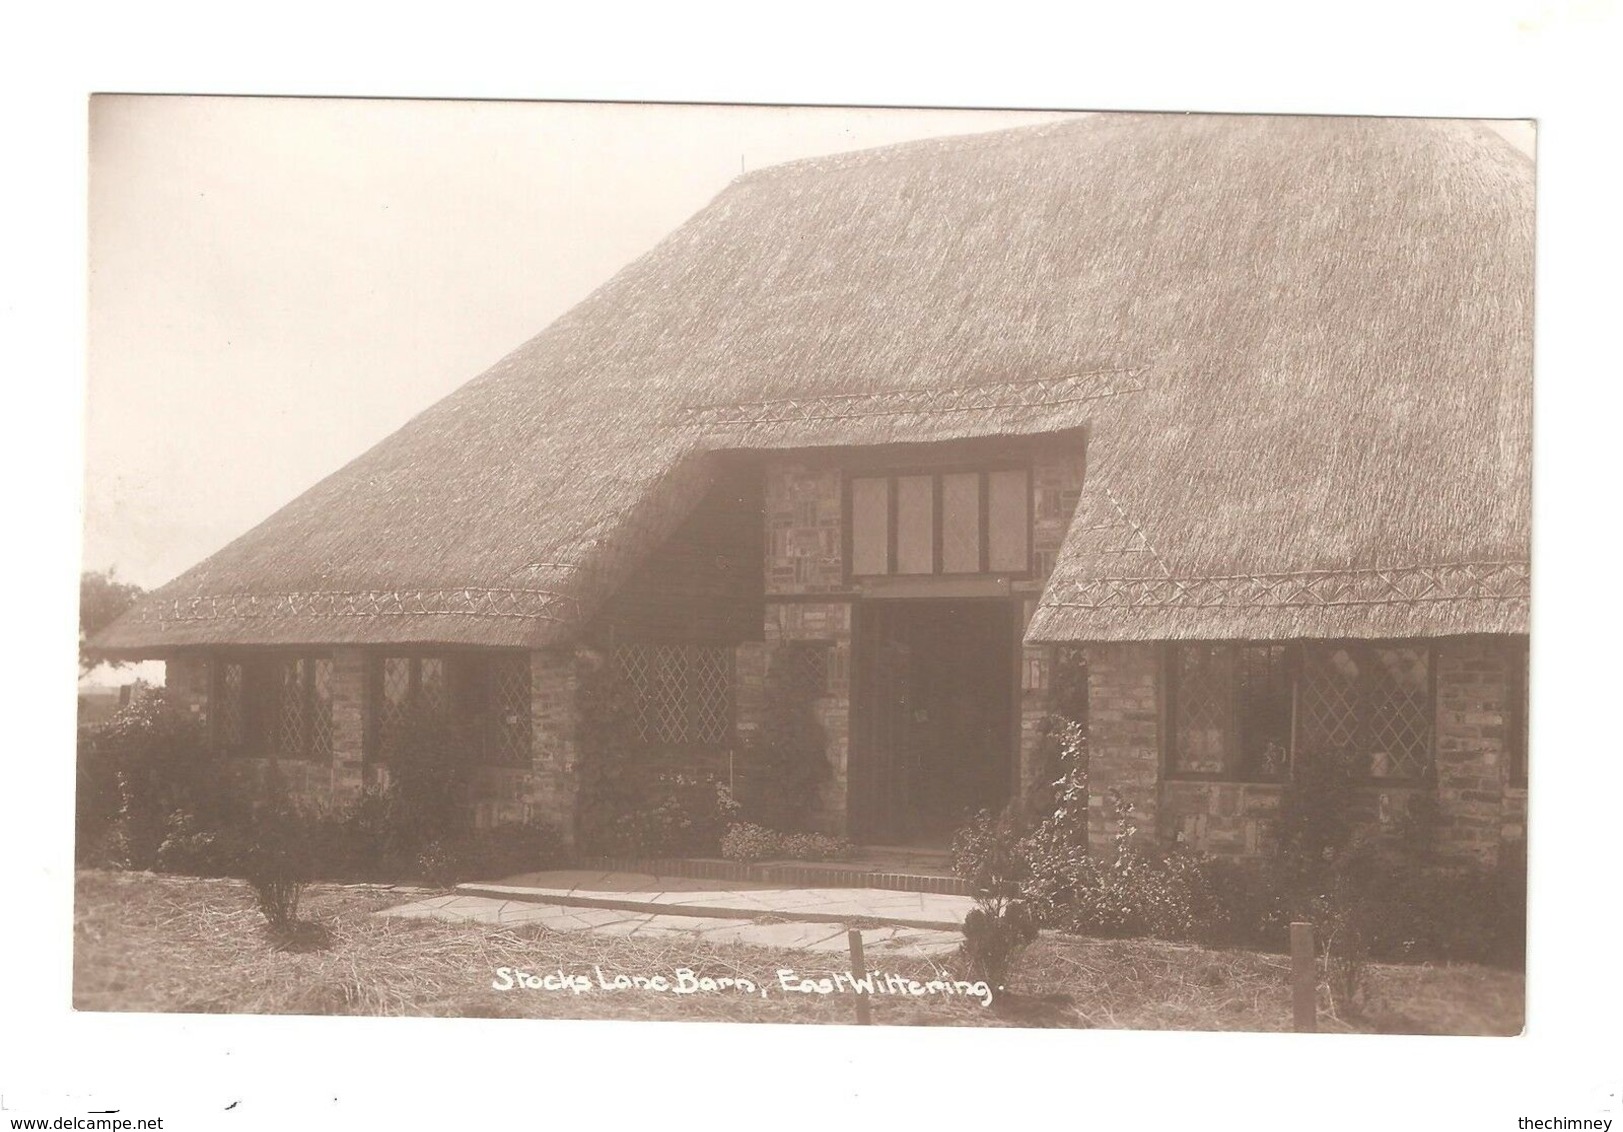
(746, 842)
(1002, 923)
(786, 764)
(103, 599)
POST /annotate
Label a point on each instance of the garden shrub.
(679, 813)
(1002, 923)
(786, 763)
(746, 842)
(489, 854)
(146, 763)
(277, 861)
(1390, 901)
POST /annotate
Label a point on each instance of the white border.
(1542, 58)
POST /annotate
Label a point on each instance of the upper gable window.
(923, 523)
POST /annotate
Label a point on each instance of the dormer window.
(950, 522)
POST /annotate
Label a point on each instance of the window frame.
(456, 664)
(1169, 715)
(728, 727)
(936, 473)
(1296, 664)
(260, 705)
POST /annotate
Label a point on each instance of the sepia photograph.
(788, 564)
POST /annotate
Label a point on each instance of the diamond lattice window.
(476, 702)
(302, 727)
(1330, 700)
(1262, 711)
(1231, 710)
(1204, 708)
(682, 695)
(291, 716)
(802, 668)
(1399, 713)
(509, 736)
(1370, 704)
(229, 713)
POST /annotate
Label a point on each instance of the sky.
(278, 283)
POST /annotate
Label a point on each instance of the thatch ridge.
(1327, 323)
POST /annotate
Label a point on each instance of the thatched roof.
(1301, 347)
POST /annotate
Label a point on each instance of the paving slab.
(820, 937)
(643, 892)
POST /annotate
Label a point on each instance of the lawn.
(158, 943)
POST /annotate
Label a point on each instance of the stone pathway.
(633, 904)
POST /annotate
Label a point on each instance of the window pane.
(915, 525)
(961, 523)
(1399, 712)
(228, 716)
(1263, 712)
(290, 715)
(510, 709)
(870, 526)
(1007, 515)
(433, 697)
(1204, 676)
(1330, 701)
(320, 703)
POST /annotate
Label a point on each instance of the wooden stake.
(860, 970)
(1304, 979)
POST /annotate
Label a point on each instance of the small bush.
(746, 842)
(995, 933)
(277, 863)
(680, 813)
(1002, 923)
(147, 762)
(489, 854)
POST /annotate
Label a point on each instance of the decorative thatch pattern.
(1301, 347)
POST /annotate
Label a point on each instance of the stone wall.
(804, 517)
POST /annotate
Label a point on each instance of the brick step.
(912, 876)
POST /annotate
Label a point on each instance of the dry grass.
(154, 943)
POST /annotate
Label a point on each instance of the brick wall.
(1221, 818)
(1472, 738)
(1124, 742)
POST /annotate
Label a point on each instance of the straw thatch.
(1301, 347)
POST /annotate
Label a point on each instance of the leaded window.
(1370, 703)
(228, 708)
(302, 720)
(478, 703)
(680, 695)
(1230, 710)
